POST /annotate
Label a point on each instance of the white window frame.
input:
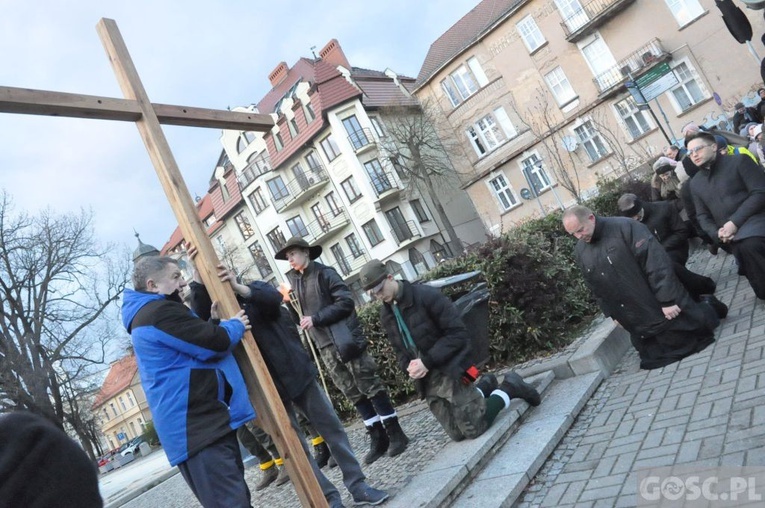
(535, 173)
(560, 86)
(683, 84)
(626, 109)
(530, 33)
(591, 139)
(573, 14)
(503, 192)
(491, 131)
(464, 81)
(604, 55)
(685, 11)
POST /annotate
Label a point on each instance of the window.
(689, 91)
(353, 244)
(313, 162)
(535, 174)
(260, 162)
(399, 225)
(356, 134)
(572, 13)
(491, 131)
(418, 261)
(419, 211)
(591, 140)
(330, 148)
(602, 63)
(300, 177)
(132, 429)
(244, 225)
(278, 141)
(260, 260)
(241, 144)
(342, 262)
(559, 86)
(122, 403)
(321, 219)
(278, 189)
(377, 176)
(332, 202)
(130, 399)
(685, 11)
(293, 128)
(503, 192)
(377, 126)
(224, 191)
(297, 226)
(529, 32)
(310, 115)
(258, 201)
(221, 243)
(114, 409)
(106, 414)
(635, 121)
(349, 186)
(209, 221)
(373, 232)
(276, 237)
(464, 81)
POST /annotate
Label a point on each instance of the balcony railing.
(404, 231)
(349, 265)
(636, 64)
(384, 182)
(360, 139)
(320, 229)
(297, 188)
(589, 16)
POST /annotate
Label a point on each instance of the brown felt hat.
(314, 251)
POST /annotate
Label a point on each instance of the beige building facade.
(533, 93)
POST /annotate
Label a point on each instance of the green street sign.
(652, 75)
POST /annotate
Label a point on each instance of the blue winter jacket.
(192, 382)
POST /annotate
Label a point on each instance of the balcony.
(405, 232)
(385, 184)
(321, 229)
(637, 63)
(587, 17)
(299, 189)
(361, 140)
(349, 265)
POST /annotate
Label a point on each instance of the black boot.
(378, 442)
(487, 384)
(321, 454)
(517, 388)
(396, 437)
(720, 308)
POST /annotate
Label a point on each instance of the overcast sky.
(194, 53)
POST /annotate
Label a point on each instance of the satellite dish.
(570, 143)
(526, 193)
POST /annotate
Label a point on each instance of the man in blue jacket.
(195, 390)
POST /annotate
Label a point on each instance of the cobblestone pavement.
(708, 410)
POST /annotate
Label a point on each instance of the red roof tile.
(462, 34)
(120, 377)
(383, 92)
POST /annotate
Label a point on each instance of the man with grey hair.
(193, 385)
(634, 283)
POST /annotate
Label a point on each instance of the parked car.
(133, 446)
(106, 457)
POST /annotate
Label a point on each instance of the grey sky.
(206, 54)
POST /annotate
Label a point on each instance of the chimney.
(333, 54)
(278, 74)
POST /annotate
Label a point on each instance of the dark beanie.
(664, 169)
(634, 209)
(40, 466)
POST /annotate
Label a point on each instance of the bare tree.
(56, 289)
(413, 146)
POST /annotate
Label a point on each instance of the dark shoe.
(396, 438)
(378, 442)
(720, 308)
(332, 462)
(487, 384)
(283, 477)
(367, 495)
(269, 476)
(517, 388)
(321, 454)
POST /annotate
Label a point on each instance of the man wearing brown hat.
(327, 312)
(743, 116)
(433, 347)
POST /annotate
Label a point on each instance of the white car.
(133, 447)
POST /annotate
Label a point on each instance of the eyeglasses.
(375, 290)
(697, 149)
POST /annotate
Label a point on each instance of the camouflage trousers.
(357, 379)
(459, 408)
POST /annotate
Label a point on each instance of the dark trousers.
(216, 475)
(750, 255)
(695, 284)
(257, 443)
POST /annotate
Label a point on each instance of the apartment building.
(535, 92)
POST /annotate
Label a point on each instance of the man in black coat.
(634, 283)
(433, 348)
(743, 116)
(729, 197)
(294, 376)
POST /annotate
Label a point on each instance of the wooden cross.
(137, 108)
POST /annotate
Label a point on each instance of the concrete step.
(502, 479)
(454, 467)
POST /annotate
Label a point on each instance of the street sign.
(658, 87)
(654, 83)
(653, 74)
(121, 436)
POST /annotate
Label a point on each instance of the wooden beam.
(43, 102)
(261, 388)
